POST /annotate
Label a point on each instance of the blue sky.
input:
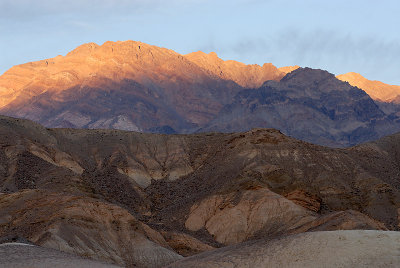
(339, 36)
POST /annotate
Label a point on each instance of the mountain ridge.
(139, 87)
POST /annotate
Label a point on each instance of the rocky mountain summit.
(148, 200)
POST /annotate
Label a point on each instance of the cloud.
(374, 56)
(30, 9)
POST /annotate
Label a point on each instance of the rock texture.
(351, 249)
(310, 105)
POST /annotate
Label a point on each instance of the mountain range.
(135, 86)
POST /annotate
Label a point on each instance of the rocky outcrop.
(234, 218)
(351, 249)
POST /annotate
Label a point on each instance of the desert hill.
(141, 199)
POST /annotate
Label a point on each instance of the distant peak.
(213, 54)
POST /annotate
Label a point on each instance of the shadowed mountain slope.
(311, 105)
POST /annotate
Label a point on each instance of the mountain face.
(138, 87)
(308, 104)
(125, 85)
(137, 199)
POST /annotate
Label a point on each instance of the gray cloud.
(376, 57)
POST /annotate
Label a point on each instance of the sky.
(339, 36)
